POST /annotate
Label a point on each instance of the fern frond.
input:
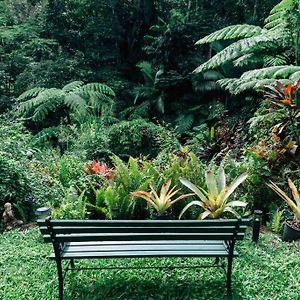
(147, 70)
(76, 103)
(277, 14)
(31, 93)
(207, 86)
(47, 134)
(43, 109)
(277, 221)
(212, 75)
(237, 85)
(275, 72)
(96, 87)
(275, 60)
(231, 32)
(247, 59)
(234, 51)
(43, 97)
(184, 123)
(70, 87)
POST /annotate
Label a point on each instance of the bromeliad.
(98, 168)
(214, 200)
(164, 201)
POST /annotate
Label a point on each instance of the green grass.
(268, 270)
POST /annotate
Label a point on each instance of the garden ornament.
(9, 220)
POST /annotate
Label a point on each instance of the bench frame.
(58, 247)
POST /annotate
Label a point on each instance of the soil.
(294, 224)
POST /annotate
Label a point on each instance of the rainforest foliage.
(149, 91)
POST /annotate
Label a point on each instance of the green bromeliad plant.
(215, 200)
(162, 202)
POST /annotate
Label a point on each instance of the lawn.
(267, 270)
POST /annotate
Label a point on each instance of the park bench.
(87, 239)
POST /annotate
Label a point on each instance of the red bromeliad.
(98, 168)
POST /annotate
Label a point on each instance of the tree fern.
(278, 14)
(235, 50)
(231, 32)
(79, 99)
(273, 51)
(96, 87)
(72, 86)
(31, 93)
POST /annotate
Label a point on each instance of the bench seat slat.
(173, 242)
(88, 229)
(144, 223)
(133, 254)
(142, 236)
(129, 248)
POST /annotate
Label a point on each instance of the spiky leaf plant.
(162, 202)
(214, 200)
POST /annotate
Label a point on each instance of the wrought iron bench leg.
(60, 279)
(229, 274)
(72, 263)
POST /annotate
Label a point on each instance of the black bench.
(87, 239)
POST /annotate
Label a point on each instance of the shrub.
(14, 186)
(138, 137)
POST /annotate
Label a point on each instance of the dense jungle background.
(100, 98)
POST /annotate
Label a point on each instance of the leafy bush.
(14, 186)
(138, 137)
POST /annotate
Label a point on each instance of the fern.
(234, 51)
(31, 93)
(277, 221)
(255, 79)
(269, 50)
(96, 87)
(276, 72)
(231, 32)
(83, 100)
(278, 14)
(72, 86)
(184, 123)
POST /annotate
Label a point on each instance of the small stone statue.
(9, 220)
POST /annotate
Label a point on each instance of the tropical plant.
(98, 168)
(281, 94)
(294, 204)
(269, 53)
(276, 124)
(92, 99)
(73, 206)
(214, 200)
(276, 222)
(149, 90)
(162, 202)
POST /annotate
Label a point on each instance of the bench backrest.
(135, 230)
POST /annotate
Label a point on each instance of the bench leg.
(72, 263)
(60, 280)
(229, 273)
